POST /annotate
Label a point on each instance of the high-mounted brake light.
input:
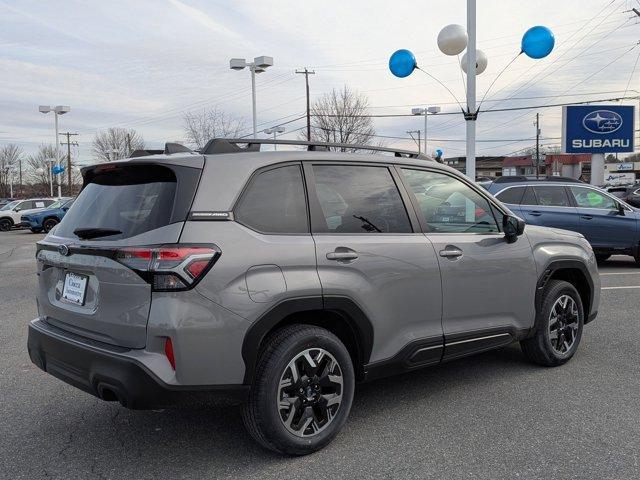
(170, 267)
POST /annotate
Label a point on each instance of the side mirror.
(620, 209)
(513, 227)
(17, 209)
(64, 209)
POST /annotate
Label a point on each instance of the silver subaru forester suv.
(284, 278)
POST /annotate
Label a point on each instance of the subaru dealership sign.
(597, 128)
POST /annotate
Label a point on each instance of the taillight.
(170, 267)
(168, 351)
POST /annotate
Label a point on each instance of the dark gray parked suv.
(286, 277)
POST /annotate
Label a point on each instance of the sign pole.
(597, 169)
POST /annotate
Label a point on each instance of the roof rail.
(169, 148)
(232, 145)
(530, 178)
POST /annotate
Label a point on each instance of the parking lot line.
(619, 288)
(619, 273)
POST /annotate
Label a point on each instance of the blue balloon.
(439, 152)
(402, 63)
(538, 41)
(57, 169)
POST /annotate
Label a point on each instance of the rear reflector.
(168, 351)
(170, 267)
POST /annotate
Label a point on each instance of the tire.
(48, 224)
(313, 397)
(5, 225)
(547, 347)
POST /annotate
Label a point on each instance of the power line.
(570, 88)
(521, 87)
(529, 107)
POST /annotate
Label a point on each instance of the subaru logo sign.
(597, 128)
(602, 121)
(63, 250)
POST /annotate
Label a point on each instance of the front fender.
(555, 249)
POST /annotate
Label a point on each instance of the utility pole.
(411, 132)
(306, 73)
(537, 124)
(20, 177)
(68, 143)
(128, 145)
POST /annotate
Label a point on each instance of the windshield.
(10, 205)
(58, 203)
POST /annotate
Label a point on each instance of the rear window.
(131, 200)
(275, 202)
(618, 192)
(552, 196)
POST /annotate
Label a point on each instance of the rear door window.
(511, 195)
(274, 202)
(359, 199)
(552, 196)
(130, 200)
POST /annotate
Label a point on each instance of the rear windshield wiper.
(95, 232)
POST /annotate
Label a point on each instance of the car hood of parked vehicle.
(40, 212)
(31, 211)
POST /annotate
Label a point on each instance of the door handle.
(587, 217)
(451, 253)
(535, 213)
(342, 254)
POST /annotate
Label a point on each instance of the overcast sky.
(143, 63)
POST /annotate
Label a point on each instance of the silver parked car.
(286, 277)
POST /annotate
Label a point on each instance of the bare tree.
(116, 143)
(338, 117)
(200, 127)
(38, 169)
(10, 157)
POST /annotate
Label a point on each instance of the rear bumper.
(105, 372)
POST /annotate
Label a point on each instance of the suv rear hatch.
(92, 281)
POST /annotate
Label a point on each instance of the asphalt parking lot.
(489, 416)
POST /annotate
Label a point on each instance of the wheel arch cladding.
(339, 315)
(575, 273)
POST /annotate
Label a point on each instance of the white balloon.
(481, 62)
(452, 39)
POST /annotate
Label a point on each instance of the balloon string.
(448, 89)
(464, 85)
(497, 77)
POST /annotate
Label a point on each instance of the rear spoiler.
(169, 148)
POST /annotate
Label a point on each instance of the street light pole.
(275, 131)
(471, 91)
(50, 170)
(426, 115)
(425, 111)
(57, 110)
(253, 100)
(258, 65)
(55, 116)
